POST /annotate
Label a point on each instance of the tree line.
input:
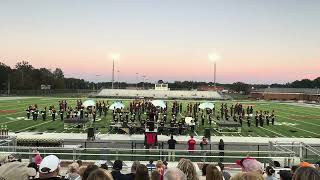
(25, 77)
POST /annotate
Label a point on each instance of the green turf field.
(291, 120)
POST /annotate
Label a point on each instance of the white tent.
(89, 103)
(206, 105)
(159, 103)
(116, 105)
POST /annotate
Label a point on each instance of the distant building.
(297, 94)
(161, 87)
(211, 88)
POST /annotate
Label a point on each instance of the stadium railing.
(94, 154)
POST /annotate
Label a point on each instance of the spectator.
(16, 171)
(306, 173)
(49, 168)
(293, 169)
(247, 176)
(151, 166)
(285, 175)
(191, 144)
(155, 175)
(204, 147)
(249, 164)
(270, 173)
(37, 157)
(204, 169)
(174, 174)
(134, 166)
(88, 170)
(117, 167)
(171, 146)
(102, 164)
(73, 172)
(79, 162)
(160, 168)
(186, 166)
(142, 173)
(82, 169)
(34, 166)
(100, 174)
(213, 173)
(226, 175)
(221, 150)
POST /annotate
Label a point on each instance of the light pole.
(118, 73)
(114, 57)
(214, 57)
(137, 75)
(143, 77)
(97, 82)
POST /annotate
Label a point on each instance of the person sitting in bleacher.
(131, 176)
(49, 168)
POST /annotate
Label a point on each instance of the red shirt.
(191, 144)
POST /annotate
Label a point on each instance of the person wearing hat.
(49, 168)
(116, 168)
(16, 171)
(249, 164)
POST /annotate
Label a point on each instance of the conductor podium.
(75, 123)
(228, 127)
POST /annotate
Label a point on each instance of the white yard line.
(313, 124)
(34, 126)
(273, 132)
(305, 130)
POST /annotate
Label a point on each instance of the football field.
(292, 120)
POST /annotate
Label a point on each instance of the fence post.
(300, 151)
(258, 150)
(74, 154)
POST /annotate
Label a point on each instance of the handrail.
(312, 149)
(150, 150)
(144, 155)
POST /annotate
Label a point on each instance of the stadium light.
(114, 57)
(214, 57)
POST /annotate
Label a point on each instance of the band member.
(261, 119)
(256, 117)
(192, 125)
(44, 113)
(249, 121)
(221, 111)
(53, 114)
(272, 117)
(61, 114)
(161, 128)
(81, 112)
(32, 113)
(180, 124)
(240, 120)
(231, 110)
(202, 119)
(210, 120)
(267, 118)
(235, 118)
(94, 115)
(28, 112)
(172, 123)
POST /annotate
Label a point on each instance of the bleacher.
(128, 93)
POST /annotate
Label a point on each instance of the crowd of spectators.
(49, 169)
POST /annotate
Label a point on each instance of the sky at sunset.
(259, 41)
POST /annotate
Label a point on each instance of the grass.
(291, 120)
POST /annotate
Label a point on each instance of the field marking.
(273, 131)
(295, 110)
(300, 121)
(305, 130)
(34, 126)
(11, 121)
